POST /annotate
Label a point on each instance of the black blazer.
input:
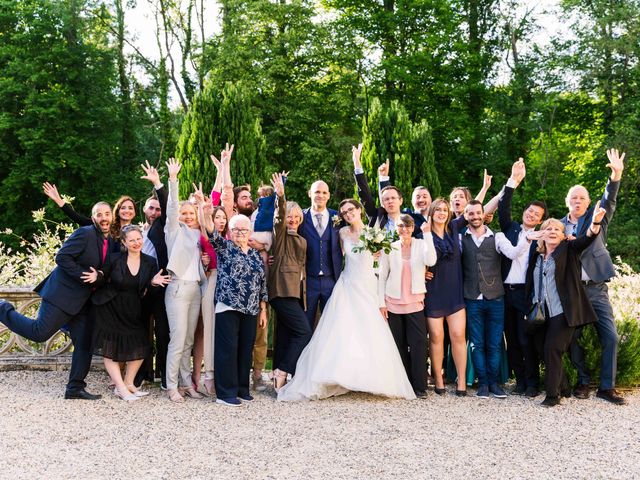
(510, 228)
(64, 287)
(115, 270)
(156, 231)
(379, 214)
(83, 221)
(575, 303)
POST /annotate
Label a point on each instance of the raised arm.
(173, 209)
(582, 242)
(518, 172)
(609, 197)
(152, 175)
(363, 187)
(486, 183)
(51, 191)
(280, 217)
(383, 178)
(227, 185)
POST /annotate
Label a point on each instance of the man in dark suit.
(388, 214)
(324, 255)
(153, 307)
(65, 297)
(597, 270)
(523, 354)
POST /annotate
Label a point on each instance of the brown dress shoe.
(611, 396)
(581, 392)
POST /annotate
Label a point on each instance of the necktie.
(319, 227)
(105, 246)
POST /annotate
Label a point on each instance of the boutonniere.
(336, 220)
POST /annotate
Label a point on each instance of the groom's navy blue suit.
(324, 262)
(65, 301)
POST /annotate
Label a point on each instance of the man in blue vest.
(324, 256)
(65, 297)
(597, 270)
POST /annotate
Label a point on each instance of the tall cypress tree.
(215, 118)
(390, 134)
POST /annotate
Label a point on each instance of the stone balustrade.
(17, 352)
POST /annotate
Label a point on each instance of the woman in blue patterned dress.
(241, 295)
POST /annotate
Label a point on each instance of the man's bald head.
(319, 195)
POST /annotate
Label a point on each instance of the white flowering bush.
(35, 259)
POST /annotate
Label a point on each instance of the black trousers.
(50, 320)
(234, 338)
(557, 340)
(293, 332)
(154, 314)
(409, 331)
(515, 305)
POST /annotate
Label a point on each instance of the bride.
(352, 348)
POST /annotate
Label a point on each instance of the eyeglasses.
(404, 227)
(347, 210)
(240, 231)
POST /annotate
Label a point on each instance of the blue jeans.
(598, 294)
(485, 322)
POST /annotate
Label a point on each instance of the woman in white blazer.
(183, 296)
(401, 290)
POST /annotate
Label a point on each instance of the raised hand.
(51, 191)
(197, 193)
(160, 280)
(616, 163)
(278, 184)
(536, 235)
(90, 277)
(355, 155)
(598, 214)
(151, 174)
(486, 181)
(426, 226)
(216, 162)
(173, 167)
(518, 170)
(383, 170)
(225, 155)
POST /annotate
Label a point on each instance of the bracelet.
(596, 223)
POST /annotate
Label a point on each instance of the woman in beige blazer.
(401, 290)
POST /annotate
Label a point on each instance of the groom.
(324, 256)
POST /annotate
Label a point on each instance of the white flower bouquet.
(374, 239)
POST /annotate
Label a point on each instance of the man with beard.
(65, 297)
(484, 295)
(153, 307)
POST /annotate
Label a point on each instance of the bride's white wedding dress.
(352, 348)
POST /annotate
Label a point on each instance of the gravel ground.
(353, 436)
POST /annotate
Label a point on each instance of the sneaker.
(532, 392)
(246, 398)
(581, 392)
(550, 401)
(229, 402)
(483, 391)
(611, 396)
(259, 384)
(496, 391)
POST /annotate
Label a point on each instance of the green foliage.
(389, 134)
(214, 119)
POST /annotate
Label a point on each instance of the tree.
(215, 118)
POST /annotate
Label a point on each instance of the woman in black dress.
(119, 333)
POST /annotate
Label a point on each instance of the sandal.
(174, 395)
(279, 379)
(136, 392)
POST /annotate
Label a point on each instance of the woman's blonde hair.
(294, 208)
(550, 221)
(192, 205)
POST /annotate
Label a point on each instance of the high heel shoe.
(279, 379)
(209, 386)
(136, 392)
(127, 397)
(174, 395)
(440, 391)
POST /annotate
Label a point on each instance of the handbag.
(535, 318)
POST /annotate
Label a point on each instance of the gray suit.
(597, 263)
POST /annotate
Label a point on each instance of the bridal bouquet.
(374, 239)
